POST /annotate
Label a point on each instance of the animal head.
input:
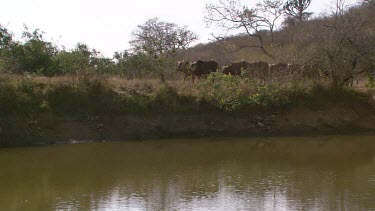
(182, 65)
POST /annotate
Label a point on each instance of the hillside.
(293, 43)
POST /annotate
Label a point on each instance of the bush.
(21, 97)
(370, 82)
(165, 97)
(233, 93)
(87, 97)
(63, 99)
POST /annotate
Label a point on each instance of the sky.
(107, 25)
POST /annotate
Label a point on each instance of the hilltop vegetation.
(340, 43)
(52, 94)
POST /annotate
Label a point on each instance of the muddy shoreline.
(49, 128)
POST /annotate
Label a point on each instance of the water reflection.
(326, 173)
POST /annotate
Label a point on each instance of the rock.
(260, 145)
(107, 140)
(258, 118)
(297, 124)
(99, 125)
(73, 141)
(320, 120)
(32, 123)
(251, 126)
(261, 124)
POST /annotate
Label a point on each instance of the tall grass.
(101, 95)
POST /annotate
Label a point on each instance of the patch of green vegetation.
(233, 93)
(370, 82)
(88, 96)
(20, 97)
(92, 95)
(320, 94)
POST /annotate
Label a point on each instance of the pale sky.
(107, 25)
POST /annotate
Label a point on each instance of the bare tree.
(297, 9)
(347, 48)
(369, 2)
(271, 11)
(231, 15)
(158, 38)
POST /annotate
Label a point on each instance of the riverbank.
(300, 121)
(49, 110)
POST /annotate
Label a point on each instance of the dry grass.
(119, 85)
(148, 85)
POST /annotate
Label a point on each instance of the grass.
(109, 95)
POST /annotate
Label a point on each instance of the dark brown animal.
(295, 72)
(258, 70)
(199, 68)
(311, 71)
(276, 71)
(236, 68)
(203, 68)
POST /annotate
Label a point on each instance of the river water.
(315, 173)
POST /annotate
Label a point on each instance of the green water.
(320, 173)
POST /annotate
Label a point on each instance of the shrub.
(370, 81)
(63, 99)
(89, 95)
(233, 93)
(21, 97)
(165, 97)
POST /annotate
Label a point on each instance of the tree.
(6, 40)
(369, 2)
(296, 9)
(33, 55)
(133, 65)
(100, 63)
(37, 53)
(232, 16)
(271, 11)
(74, 61)
(158, 38)
(347, 48)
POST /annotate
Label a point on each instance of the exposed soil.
(301, 120)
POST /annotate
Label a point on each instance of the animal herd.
(262, 71)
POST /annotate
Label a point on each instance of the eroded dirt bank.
(301, 120)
